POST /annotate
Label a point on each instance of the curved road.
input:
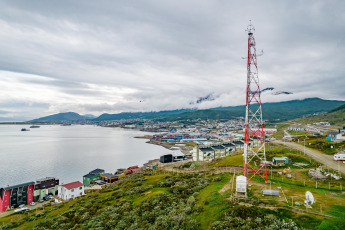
(327, 160)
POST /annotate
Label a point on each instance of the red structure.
(13, 196)
(133, 169)
(254, 141)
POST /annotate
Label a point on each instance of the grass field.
(173, 200)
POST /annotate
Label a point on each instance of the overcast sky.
(93, 57)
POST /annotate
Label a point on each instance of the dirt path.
(327, 160)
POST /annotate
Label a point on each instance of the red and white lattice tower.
(254, 161)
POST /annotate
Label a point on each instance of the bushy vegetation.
(149, 201)
(241, 217)
(321, 144)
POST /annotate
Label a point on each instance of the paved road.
(327, 160)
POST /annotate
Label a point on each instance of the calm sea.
(69, 152)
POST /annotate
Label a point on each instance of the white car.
(22, 209)
(22, 206)
(32, 203)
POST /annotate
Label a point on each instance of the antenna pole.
(254, 139)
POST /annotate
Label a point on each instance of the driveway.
(327, 160)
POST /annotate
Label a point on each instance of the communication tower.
(254, 146)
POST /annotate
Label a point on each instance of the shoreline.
(150, 141)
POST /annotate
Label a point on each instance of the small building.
(13, 196)
(336, 136)
(121, 171)
(44, 187)
(178, 156)
(219, 151)
(239, 144)
(332, 136)
(92, 176)
(203, 153)
(109, 177)
(280, 161)
(167, 158)
(133, 169)
(71, 190)
(241, 186)
(229, 147)
(270, 192)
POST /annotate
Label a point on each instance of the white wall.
(67, 194)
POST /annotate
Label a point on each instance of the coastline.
(185, 149)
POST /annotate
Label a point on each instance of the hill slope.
(334, 117)
(62, 117)
(271, 111)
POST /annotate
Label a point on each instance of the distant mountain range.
(277, 111)
(64, 117)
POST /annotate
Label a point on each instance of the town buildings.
(213, 151)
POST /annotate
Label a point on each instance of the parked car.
(22, 206)
(46, 198)
(50, 196)
(40, 200)
(22, 209)
(32, 203)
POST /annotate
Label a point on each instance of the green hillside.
(146, 201)
(61, 117)
(278, 111)
(202, 199)
(334, 117)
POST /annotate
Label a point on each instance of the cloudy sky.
(112, 56)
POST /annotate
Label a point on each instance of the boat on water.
(35, 126)
(24, 129)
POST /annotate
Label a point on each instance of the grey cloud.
(171, 52)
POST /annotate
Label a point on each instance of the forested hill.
(334, 117)
(63, 117)
(277, 111)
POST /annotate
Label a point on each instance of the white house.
(71, 190)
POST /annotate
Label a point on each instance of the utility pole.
(304, 147)
(254, 130)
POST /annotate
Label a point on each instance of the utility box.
(241, 186)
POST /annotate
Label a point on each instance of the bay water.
(69, 152)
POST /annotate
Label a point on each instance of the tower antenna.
(254, 157)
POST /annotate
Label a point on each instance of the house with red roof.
(71, 190)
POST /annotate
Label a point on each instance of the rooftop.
(89, 175)
(72, 185)
(206, 149)
(109, 175)
(19, 185)
(45, 179)
(96, 171)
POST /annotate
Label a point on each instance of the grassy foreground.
(196, 200)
